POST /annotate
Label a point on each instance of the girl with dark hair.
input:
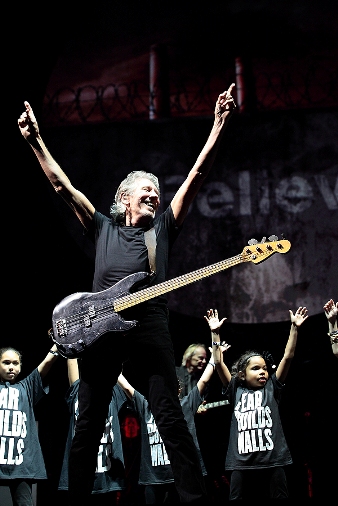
(21, 458)
(257, 450)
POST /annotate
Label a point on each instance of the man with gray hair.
(121, 251)
(193, 364)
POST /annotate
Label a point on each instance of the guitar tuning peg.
(273, 238)
(263, 239)
(252, 242)
(283, 236)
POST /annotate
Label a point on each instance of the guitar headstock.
(258, 252)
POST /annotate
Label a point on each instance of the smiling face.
(10, 366)
(256, 373)
(198, 360)
(142, 203)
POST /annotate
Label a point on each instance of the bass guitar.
(80, 319)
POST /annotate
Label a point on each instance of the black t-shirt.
(189, 380)
(256, 439)
(20, 451)
(155, 468)
(121, 250)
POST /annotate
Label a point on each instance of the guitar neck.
(216, 404)
(145, 294)
(255, 253)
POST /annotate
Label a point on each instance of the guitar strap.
(150, 240)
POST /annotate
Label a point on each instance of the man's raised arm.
(225, 106)
(78, 202)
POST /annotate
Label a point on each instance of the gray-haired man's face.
(142, 203)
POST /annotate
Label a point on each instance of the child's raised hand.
(299, 317)
(223, 347)
(213, 320)
(331, 311)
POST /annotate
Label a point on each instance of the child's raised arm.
(73, 370)
(331, 312)
(206, 376)
(48, 361)
(297, 319)
(218, 348)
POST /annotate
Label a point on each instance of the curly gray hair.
(118, 209)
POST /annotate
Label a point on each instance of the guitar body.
(80, 319)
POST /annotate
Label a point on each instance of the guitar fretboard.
(172, 284)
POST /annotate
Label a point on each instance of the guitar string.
(185, 279)
(127, 301)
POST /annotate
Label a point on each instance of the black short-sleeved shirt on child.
(256, 439)
(155, 468)
(109, 474)
(20, 451)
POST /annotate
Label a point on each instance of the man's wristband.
(54, 353)
(219, 343)
(333, 336)
(212, 363)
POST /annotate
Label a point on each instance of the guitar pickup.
(61, 327)
(87, 319)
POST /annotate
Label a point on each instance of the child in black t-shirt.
(21, 458)
(257, 450)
